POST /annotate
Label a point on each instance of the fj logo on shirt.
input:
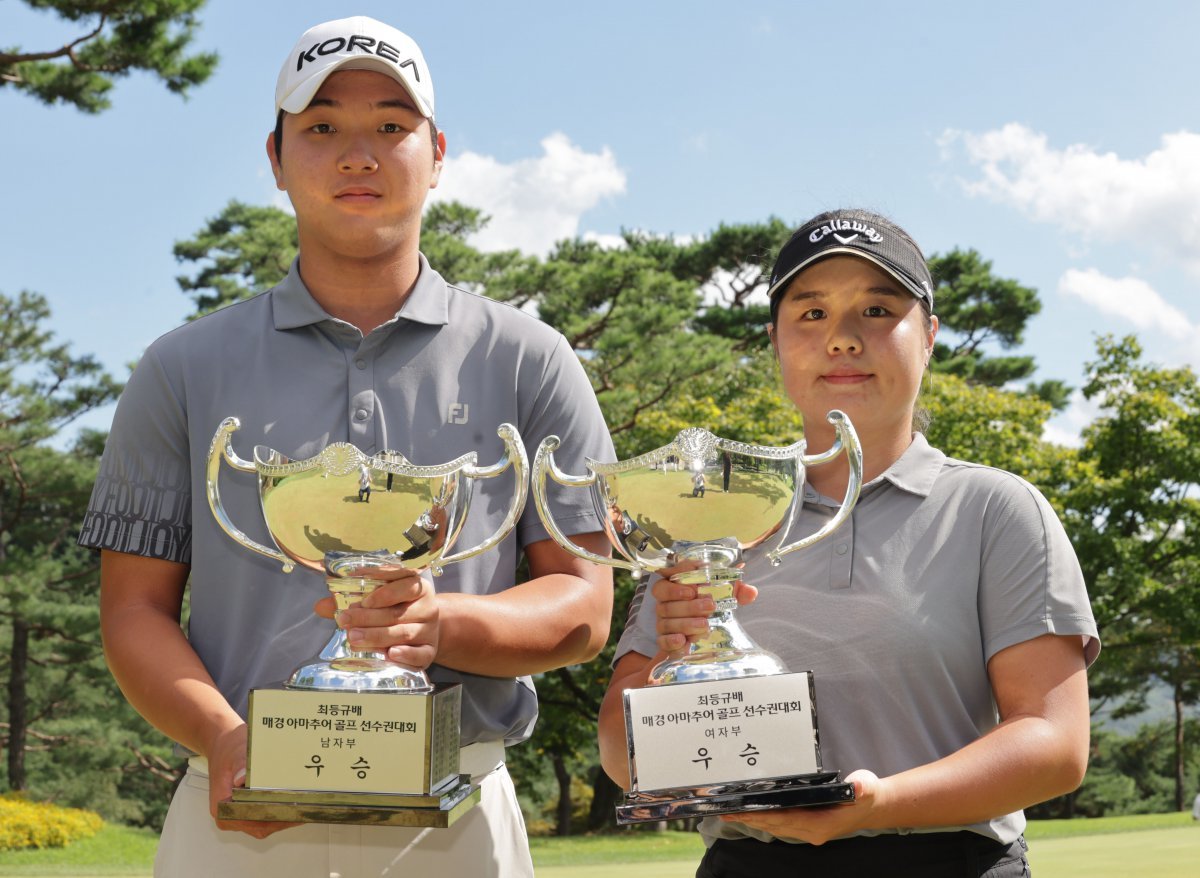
(458, 413)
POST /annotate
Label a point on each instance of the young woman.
(946, 623)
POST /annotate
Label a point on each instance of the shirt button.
(362, 364)
(360, 415)
(842, 549)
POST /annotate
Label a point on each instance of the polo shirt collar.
(293, 306)
(917, 469)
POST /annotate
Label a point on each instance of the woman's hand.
(819, 825)
(683, 610)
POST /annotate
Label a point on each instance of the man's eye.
(877, 311)
(391, 128)
(813, 314)
(322, 128)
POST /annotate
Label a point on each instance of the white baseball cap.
(358, 43)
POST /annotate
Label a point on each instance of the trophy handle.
(847, 439)
(222, 446)
(514, 455)
(543, 464)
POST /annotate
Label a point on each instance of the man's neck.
(364, 292)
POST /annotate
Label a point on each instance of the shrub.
(42, 825)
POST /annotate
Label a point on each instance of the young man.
(362, 342)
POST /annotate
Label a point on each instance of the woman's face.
(848, 336)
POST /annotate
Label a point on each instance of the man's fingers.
(417, 657)
(326, 607)
(259, 829)
(384, 636)
(405, 590)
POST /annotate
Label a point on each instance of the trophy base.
(438, 810)
(325, 749)
(731, 798)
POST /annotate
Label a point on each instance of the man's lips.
(357, 194)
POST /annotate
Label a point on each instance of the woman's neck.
(878, 453)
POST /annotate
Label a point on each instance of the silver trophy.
(700, 503)
(362, 521)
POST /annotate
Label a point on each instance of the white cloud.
(533, 202)
(1129, 298)
(721, 290)
(1150, 200)
(1066, 426)
(606, 241)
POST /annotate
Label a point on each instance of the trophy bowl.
(701, 502)
(363, 521)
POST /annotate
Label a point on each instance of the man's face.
(850, 337)
(357, 165)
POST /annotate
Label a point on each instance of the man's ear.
(439, 157)
(276, 168)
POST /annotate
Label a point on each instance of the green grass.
(1163, 845)
(1039, 829)
(1163, 853)
(114, 850)
(624, 847)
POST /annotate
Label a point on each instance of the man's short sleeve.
(141, 502)
(566, 406)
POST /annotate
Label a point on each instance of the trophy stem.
(341, 668)
(726, 652)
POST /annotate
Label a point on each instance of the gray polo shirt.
(433, 383)
(941, 565)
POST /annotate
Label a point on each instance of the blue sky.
(1061, 140)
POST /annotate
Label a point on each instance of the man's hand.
(400, 617)
(226, 770)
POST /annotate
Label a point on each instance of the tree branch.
(67, 50)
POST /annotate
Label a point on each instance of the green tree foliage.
(240, 253)
(113, 38)
(993, 426)
(728, 267)
(444, 232)
(977, 311)
(1133, 513)
(1129, 774)
(68, 733)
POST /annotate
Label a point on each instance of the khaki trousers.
(489, 840)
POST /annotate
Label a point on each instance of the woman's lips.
(845, 377)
